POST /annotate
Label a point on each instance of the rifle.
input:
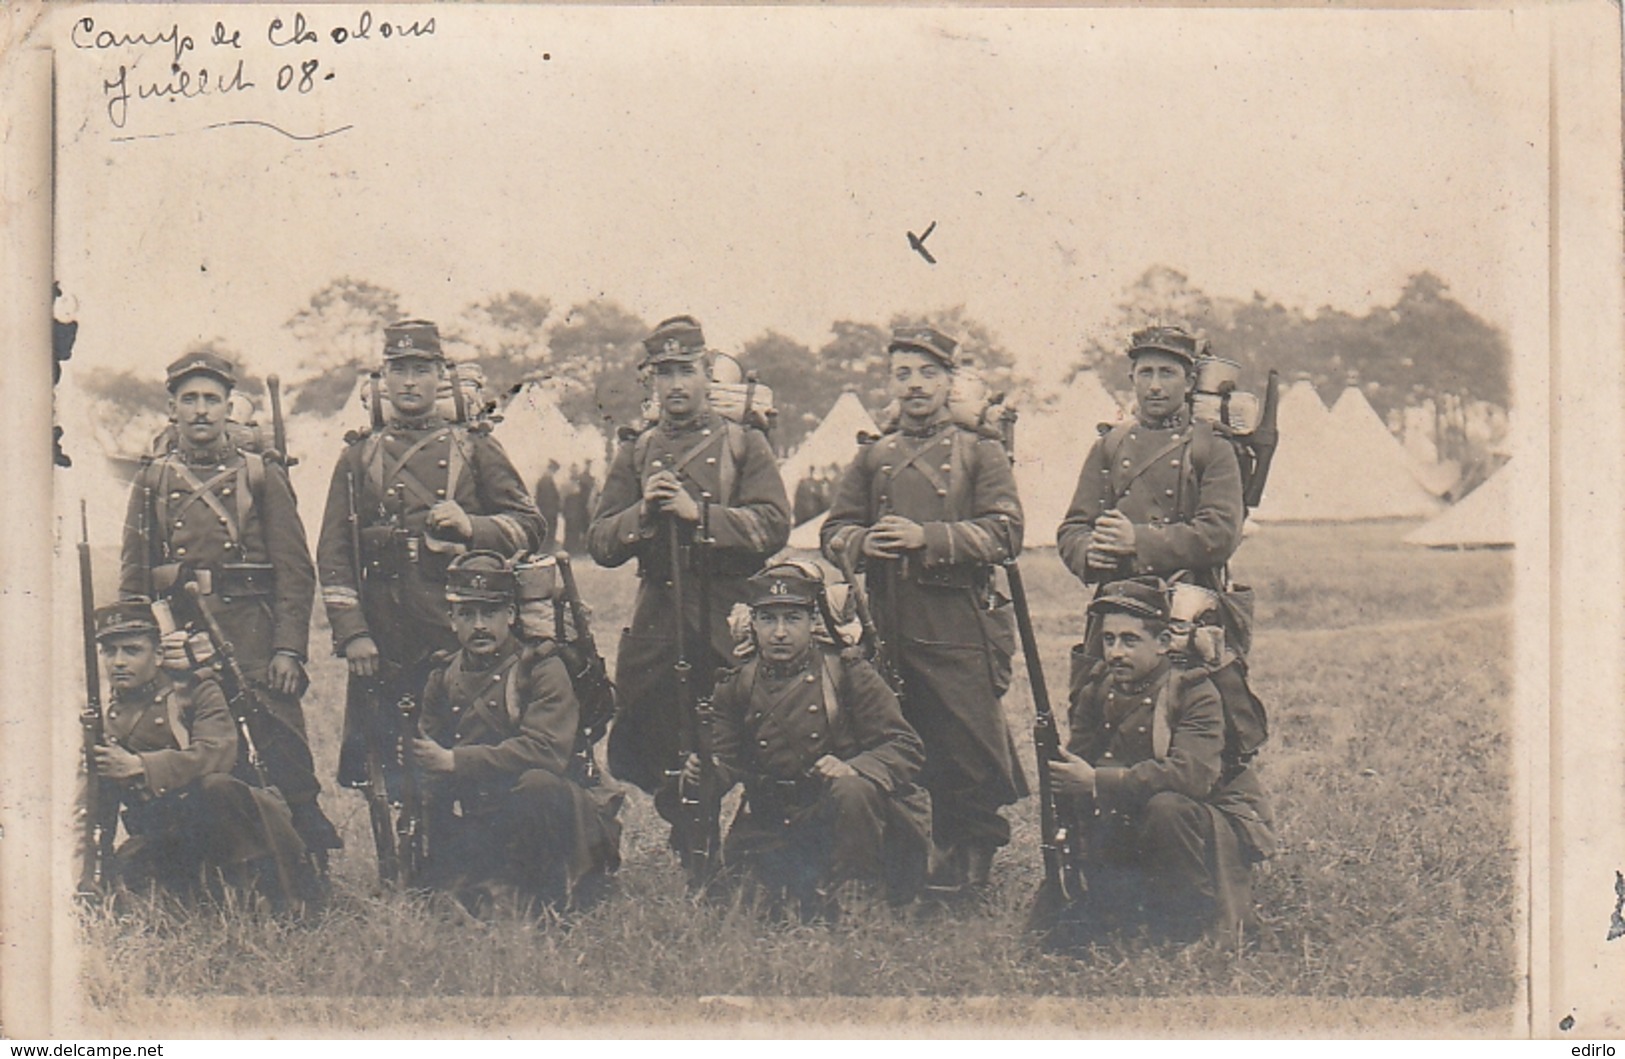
(1263, 440)
(366, 688)
(693, 832)
(101, 813)
(874, 645)
(589, 675)
(410, 837)
(245, 706)
(1060, 837)
(279, 435)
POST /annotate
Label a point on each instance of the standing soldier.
(169, 747)
(1160, 494)
(404, 501)
(930, 510)
(827, 760)
(507, 806)
(715, 484)
(208, 514)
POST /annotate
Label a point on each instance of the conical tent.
(835, 440)
(533, 431)
(1481, 519)
(1302, 474)
(1380, 481)
(316, 442)
(1051, 444)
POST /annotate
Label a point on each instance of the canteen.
(1217, 375)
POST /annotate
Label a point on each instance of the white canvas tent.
(1481, 519)
(835, 440)
(95, 478)
(533, 431)
(1387, 482)
(1051, 444)
(316, 441)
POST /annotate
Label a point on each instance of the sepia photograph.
(720, 521)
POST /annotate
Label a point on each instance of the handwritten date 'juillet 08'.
(232, 73)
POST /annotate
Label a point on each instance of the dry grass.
(1386, 672)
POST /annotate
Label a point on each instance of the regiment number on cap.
(672, 346)
(780, 588)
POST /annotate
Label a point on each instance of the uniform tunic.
(397, 475)
(513, 805)
(202, 511)
(771, 725)
(187, 810)
(1179, 485)
(932, 607)
(730, 471)
(1167, 842)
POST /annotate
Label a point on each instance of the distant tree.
(340, 332)
(595, 352)
(855, 356)
(506, 335)
(1161, 295)
(127, 391)
(801, 392)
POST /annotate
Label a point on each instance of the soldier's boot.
(316, 830)
(945, 871)
(978, 866)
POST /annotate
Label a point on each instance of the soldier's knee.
(540, 783)
(1169, 812)
(217, 785)
(853, 794)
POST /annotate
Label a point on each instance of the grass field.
(1386, 670)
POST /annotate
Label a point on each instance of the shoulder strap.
(172, 707)
(251, 488)
(456, 459)
(1162, 730)
(832, 684)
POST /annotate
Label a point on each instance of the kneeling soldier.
(506, 807)
(170, 748)
(827, 760)
(1145, 753)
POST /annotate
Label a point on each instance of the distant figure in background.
(575, 505)
(811, 498)
(549, 503)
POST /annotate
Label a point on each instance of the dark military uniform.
(188, 811)
(932, 609)
(515, 807)
(396, 475)
(730, 471)
(801, 832)
(1176, 831)
(226, 520)
(1180, 485)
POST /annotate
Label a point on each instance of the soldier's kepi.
(404, 501)
(222, 521)
(930, 511)
(697, 500)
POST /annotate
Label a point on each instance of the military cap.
(1142, 597)
(412, 338)
(126, 617)
(924, 339)
(790, 583)
(1170, 339)
(676, 338)
(480, 577)
(199, 362)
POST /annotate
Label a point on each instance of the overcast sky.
(760, 167)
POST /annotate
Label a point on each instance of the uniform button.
(175, 495)
(810, 678)
(1176, 463)
(441, 463)
(762, 743)
(440, 493)
(710, 459)
(222, 520)
(221, 467)
(813, 708)
(1125, 463)
(226, 491)
(813, 736)
(942, 492)
(1146, 701)
(885, 468)
(389, 437)
(1107, 725)
(443, 437)
(1142, 729)
(495, 677)
(1168, 492)
(1107, 754)
(180, 523)
(1132, 435)
(157, 720)
(947, 466)
(180, 551)
(705, 433)
(755, 716)
(704, 495)
(227, 546)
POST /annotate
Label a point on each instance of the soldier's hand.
(683, 506)
(1113, 534)
(117, 763)
(430, 756)
(1072, 776)
(285, 675)
(908, 534)
(692, 773)
(878, 545)
(448, 520)
(1100, 560)
(830, 767)
(660, 487)
(362, 654)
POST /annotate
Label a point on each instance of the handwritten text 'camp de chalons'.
(212, 64)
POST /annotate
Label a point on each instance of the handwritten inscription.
(222, 62)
